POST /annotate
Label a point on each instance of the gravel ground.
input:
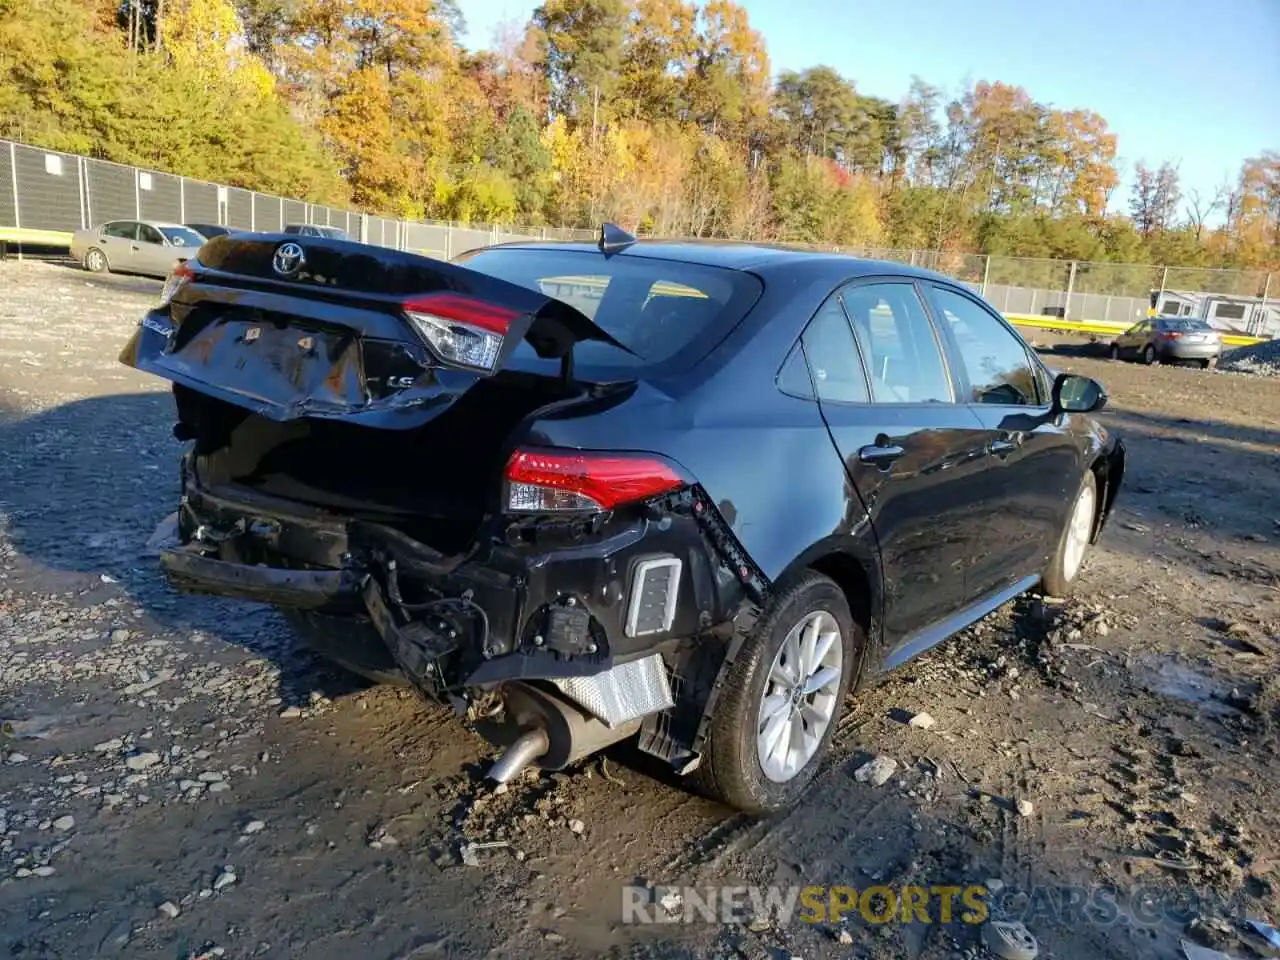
(1261, 358)
(180, 780)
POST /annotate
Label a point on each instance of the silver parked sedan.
(1169, 340)
(134, 246)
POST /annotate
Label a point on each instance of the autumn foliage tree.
(663, 115)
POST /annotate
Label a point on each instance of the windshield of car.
(333, 233)
(660, 310)
(182, 236)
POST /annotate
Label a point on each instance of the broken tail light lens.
(182, 274)
(552, 481)
(461, 330)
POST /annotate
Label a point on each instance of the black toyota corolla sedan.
(693, 494)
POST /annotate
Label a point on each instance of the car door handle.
(1005, 444)
(133, 246)
(880, 456)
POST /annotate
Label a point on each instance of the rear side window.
(664, 312)
(793, 378)
(897, 339)
(124, 229)
(833, 356)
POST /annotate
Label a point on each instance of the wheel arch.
(854, 566)
(1108, 471)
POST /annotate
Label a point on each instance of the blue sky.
(1196, 82)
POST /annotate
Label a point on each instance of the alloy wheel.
(1079, 531)
(800, 696)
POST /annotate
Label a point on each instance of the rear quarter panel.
(764, 458)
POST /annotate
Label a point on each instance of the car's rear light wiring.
(556, 481)
(461, 330)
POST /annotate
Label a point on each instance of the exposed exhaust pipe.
(528, 747)
(541, 725)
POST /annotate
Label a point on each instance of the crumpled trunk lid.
(288, 327)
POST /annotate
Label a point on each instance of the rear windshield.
(1184, 323)
(668, 314)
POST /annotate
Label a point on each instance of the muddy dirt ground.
(179, 779)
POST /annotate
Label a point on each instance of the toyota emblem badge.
(289, 259)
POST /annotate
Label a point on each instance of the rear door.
(914, 454)
(1033, 465)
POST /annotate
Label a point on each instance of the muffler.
(542, 726)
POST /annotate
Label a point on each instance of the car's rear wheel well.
(852, 579)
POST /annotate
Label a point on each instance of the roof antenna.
(613, 239)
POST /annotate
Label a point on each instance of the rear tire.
(352, 643)
(1149, 355)
(95, 261)
(1076, 537)
(786, 682)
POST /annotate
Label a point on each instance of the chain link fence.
(43, 191)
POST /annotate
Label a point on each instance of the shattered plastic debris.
(468, 852)
(1010, 939)
(1268, 936)
(1193, 951)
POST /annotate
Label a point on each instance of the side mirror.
(1073, 393)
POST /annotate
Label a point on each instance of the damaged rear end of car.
(364, 456)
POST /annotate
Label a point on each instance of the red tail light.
(543, 481)
(460, 329)
(182, 274)
(1170, 335)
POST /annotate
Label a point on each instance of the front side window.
(182, 236)
(996, 361)
(904, 360)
